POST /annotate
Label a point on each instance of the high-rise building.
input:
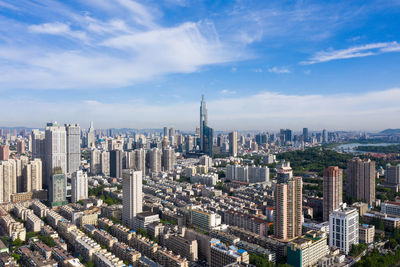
(324, 136)
(172, 136)
(168, 159)
(154, 160)
(105, 163)
(392, 175)
(91, 137)
(233, 143)
(32, 173)
(38, 145)
(343, 228)
(166, 132)
(305, 134)
(288, 209)
(361, 179)
(285, 172)
(189, 143)
(332, 190)
(79, 186)
(208, 140)
(55, 150)
(8, 180)
(58, 188)
(116, 163)
(4, 152)
(95, 161)
(131, 195)
(140, 160)
(285, 136)
(203, 121)
(21, 146)
(73, 147)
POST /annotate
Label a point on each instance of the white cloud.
(227, 92)
(264, 111)
(108, 53)
(354, 52)
(279, 70)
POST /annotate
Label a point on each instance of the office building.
(392, 175)
(332, 190)
(79, 186)
(205, 220)
(285, 136)
(131, 195)
(208, 141)
(307, 250)
(73, 147)
(55, 151)
(305, 134)
(116, 163)
(91, 138)
(166, 134)
(4, 152)
(324, 136)
(288, 209)
(58, 189)
(233, 144)
(203, 121)
(168, 159)
(189, 143)
(361, 180)
(343, 228)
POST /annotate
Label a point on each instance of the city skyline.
(320, 64)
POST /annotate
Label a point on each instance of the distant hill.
(390, 131)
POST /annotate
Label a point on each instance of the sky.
(262, 65)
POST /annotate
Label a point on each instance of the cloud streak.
(279, 70)
(354, 52)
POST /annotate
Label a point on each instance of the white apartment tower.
(79, 185)
(131, 195)
(55, 150)
(73, 147)
(154, 156)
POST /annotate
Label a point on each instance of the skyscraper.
(8, 180)
(131, 195)
(305, 134)
(203, 121)
(116, 163)
(166, 132)
(332, 190)
(32, 173)
(140, 160)
(38, 145)
(73, 147)
(233, 143)
(324, 136)
(79, 186)
(154, 160)
(288, 209)
(285, 172)
(4, 152)
(361, 179)
(208, 140)
(55, 150)
(168, 159)
(91, 139)
(21, 146)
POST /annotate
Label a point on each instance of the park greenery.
(356, 250)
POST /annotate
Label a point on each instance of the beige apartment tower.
(332, 190)
(361, 180)
(233, 143)
(131, 195)
(288, 209)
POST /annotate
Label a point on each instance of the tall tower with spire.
(203, 121)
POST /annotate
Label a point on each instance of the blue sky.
(261, 64)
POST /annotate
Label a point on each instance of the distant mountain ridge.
(390, 131)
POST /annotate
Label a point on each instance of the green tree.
(17, 242)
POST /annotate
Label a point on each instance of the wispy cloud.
(121, 49)
(227, 92)
(279, 70)
(354, 52)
